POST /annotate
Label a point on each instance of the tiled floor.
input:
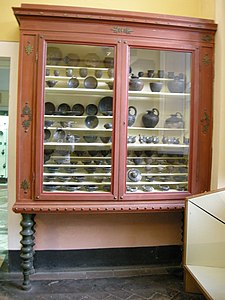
(3, 223)
(64, 286)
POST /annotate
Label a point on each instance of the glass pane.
(78, 118)
(158, 121)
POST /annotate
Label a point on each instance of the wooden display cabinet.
(114, 112)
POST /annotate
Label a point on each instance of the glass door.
(78, 119)
(158, 121)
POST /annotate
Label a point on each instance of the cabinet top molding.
(52, 11)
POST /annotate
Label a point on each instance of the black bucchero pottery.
(151, 118)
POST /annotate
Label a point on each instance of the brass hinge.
(36, 57)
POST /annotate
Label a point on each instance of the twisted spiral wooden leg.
(27, 253)
(32, 271)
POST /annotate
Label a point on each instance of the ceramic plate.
(105, 106)
(72, 59)
(91, 110)
(64, 108)
(49, 108)
(90, 82)
(54, 56)
(90, 138)
(78, 109)
(92, 60)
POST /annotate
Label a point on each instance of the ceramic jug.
(151, 118)
(135, 84)
(131, 115)
(175, 121)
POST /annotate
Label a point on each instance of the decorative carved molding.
(205, 122)
(207, 38)
(26, 112)
(206, 60)
(118, 29)
(29, 48)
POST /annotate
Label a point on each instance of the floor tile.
(151, 287)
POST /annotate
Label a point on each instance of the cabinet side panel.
(25, 117)
(205, 119)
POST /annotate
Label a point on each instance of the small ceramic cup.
(56, 72)
(161, 73)
(98, 73)
(47, 72)
(69, 72)
(83, 72)
(111, 73)
(150, 73)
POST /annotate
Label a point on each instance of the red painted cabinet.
(114, 110)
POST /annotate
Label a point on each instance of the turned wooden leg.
(32, 271)
(27, 253)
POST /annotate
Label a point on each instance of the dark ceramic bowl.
(50, 188)
(52, 169)
(92, 60)
(110, 84)
(51, 83)
(47, 134)
(48, 123)
(63, 178)
(49, 178)
(90, 82)
(105, 139)
(73, 83)
(91, 122)
(70, 170)
(108, 126)
(90, 138)
(78, 109)
(54, 55)
(90, 169)
(106, 188)
(156, 86)
(91, 188)
(64, 108)
(49, 108)
(91, 110)
(61, 160)
(79, 178)
(72, 188)
(109, 62)
(72, 59)
(147, 188)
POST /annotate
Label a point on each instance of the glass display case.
(204, 259)
(118, 117)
